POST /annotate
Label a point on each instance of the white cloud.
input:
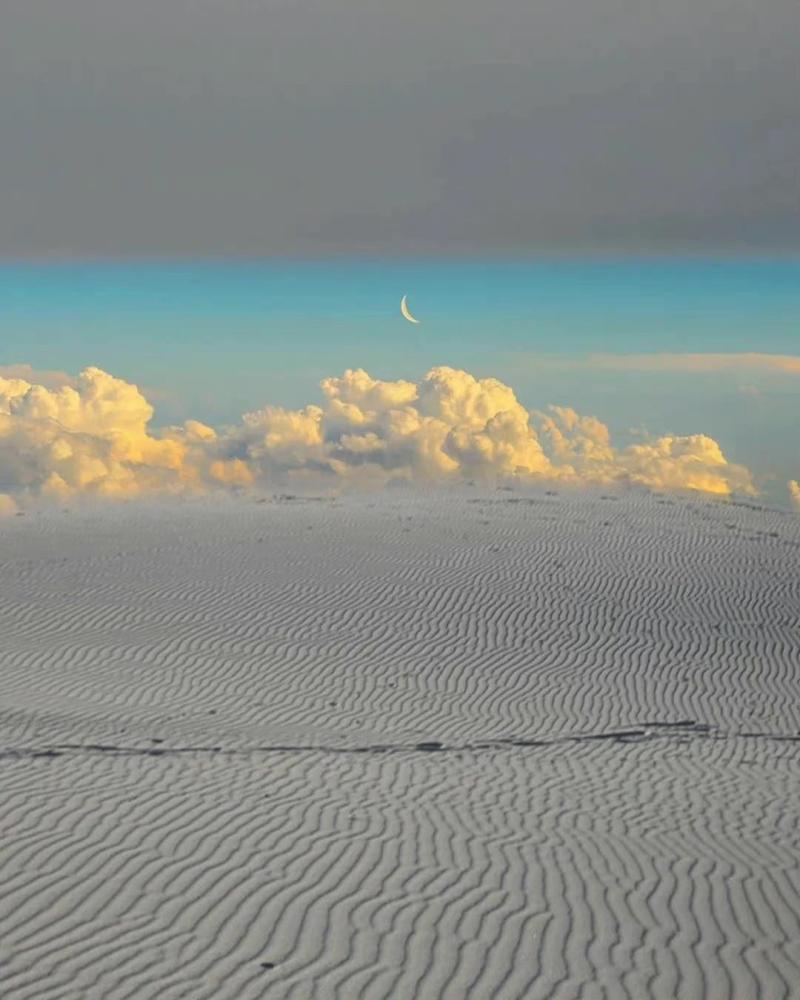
(94, 437)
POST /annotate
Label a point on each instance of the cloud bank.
(94, 437)
(743, 362)
(739, 363)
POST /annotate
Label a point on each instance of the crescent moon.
(404, 310)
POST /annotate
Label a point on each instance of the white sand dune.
(512, 746)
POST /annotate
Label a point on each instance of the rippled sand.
(501, 746)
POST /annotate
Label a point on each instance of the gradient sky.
(211, 341)
(215, 127)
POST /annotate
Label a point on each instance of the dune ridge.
(447, 746)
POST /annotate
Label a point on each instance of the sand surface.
(491, 746)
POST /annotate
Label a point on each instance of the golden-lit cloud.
(94, 437)
(584, 451)
(8, 505)
(794, 492)
(88, 438)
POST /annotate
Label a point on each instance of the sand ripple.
(476, 747)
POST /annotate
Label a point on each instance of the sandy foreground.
(495, 746)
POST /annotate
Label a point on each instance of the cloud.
(747, 362)
(794, 492)
(94, 437)
(8, 505)
(583, 449)
(88, 438)
(50, 378)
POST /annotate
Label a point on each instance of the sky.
(210, 210)
(654, 349)
(212, 128)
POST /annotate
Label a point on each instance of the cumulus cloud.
(794, 492)
(94, 437)
(583, 448)
(88, 438)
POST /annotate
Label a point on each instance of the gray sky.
(210, 127)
